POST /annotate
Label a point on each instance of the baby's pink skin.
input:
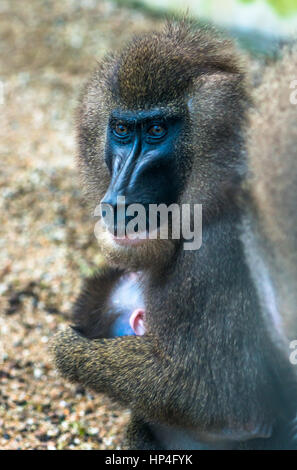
(137, 321)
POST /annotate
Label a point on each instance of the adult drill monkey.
(164, 122)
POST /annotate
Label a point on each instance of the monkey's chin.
(134, 253)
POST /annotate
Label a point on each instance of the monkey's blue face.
(142, 155)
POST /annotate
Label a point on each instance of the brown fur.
(272, 186)
(207, 363)
(215, 80)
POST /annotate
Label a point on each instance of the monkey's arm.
(130, 369)
(90, 313)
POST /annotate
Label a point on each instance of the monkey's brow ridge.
(143, 115)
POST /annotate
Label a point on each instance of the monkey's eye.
(157, 131)
(120, 130)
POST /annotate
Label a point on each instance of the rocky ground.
(47, 244)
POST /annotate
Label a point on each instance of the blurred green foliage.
(283, 7)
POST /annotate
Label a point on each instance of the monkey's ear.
(216, 79)
(219, 95)
(137, 321)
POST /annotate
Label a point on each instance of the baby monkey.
(117, 309)
(127, 307)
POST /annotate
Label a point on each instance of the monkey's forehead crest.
(160, 67)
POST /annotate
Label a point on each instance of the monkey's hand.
(130, 369)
